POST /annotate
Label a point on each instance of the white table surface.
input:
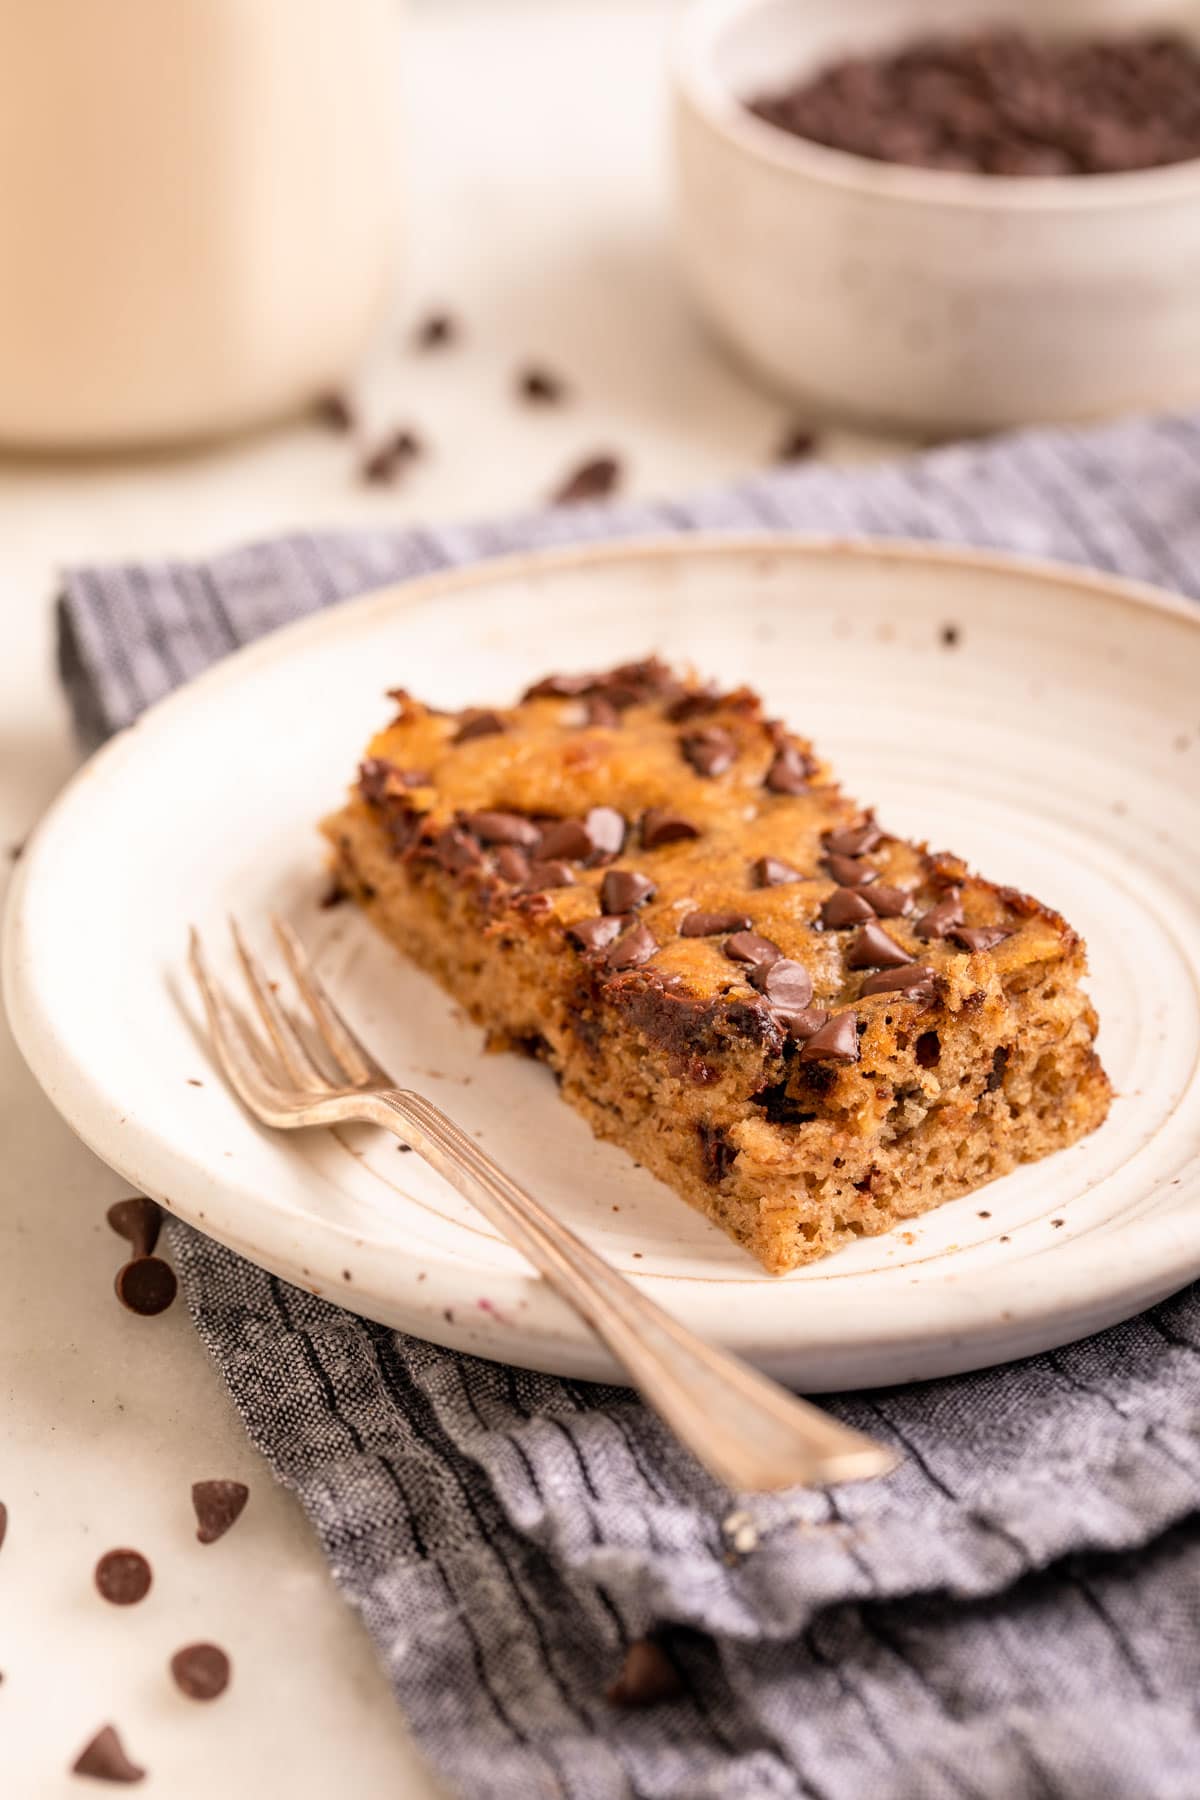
(536, 210)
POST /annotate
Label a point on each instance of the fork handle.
(745, 1429)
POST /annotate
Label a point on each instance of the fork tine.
(347, 1049)
(292, 1052)
(234, 1045)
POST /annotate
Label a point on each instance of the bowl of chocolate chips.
(943, 217)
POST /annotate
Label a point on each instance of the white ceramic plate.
(1055, 745)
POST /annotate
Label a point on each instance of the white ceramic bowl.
(929, 299)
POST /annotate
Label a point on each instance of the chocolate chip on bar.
(713, 924)
(624, 889)
(568, 839)
(872, 948)
(596, 933)
(979, 937)
(914, 981)
(710, 752)
(749, 947)
(771, 871)
(632, 950)
(789, 772)
(607, 829)
(850, 871)
(503, 828)
(661, 826)
(942, 918)
(858, 840)
(478, 724)
(835, 1041)
(785, 984)
(845, 906)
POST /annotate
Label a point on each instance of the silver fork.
(745, 1429)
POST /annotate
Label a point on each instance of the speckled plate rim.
(949, 1331)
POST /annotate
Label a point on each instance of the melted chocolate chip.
(596, 934)
(845, 906)
(713, 924)
(539, 386)
(807, 1022)
(138, 1220)
(849, 871)
(624, 889)
(858, 840)
(749, 947)
(503, 828)
(217, 1505)
(789, 772)
(785, 985)
(104, 1759)
(872, 948)
(512, 865)
(634, 949)
(836, 1041)
(942, 918)
(548, 875)
(477, 723)
(123, 1577)
(454, 851)
(979, 937)
(146, 1286)
(647, 1677)
(717, 1154)
(913, 982)
(710, 752)
(660, 826)
(770, 871)
(594, 479)
(888, 902)
(201, 1671)
(607, 829)
(567, 839)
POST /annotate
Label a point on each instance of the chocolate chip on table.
(624, 889)
(710, 752)
(146, 1286)
(104, 1759)
(770, 871)
(913, 982)
(597, 933)
(336, 893)
(785, 985)
(333, 409)
(594, 479)
(540, 386)
(632, 950)
(512, 864)
(661, 826)
(201, 1671)
(789, 772)
(942, 918)
(565, 838)
(872, 948)
(383, 463)
(889, 902)
(544, 875)
(849, 871)
(836, 1041)
(138, 1220)
(647, 1678)
(856, 840)
(436, 330)
(749, 947)
(217, 1505)
(950, 636)
(795, 445)
(607, 829)
(502, 828)
(979, 937)
(713, 924)
(477, 723)
(845, 906)
(3, 1523)
(123, 1577)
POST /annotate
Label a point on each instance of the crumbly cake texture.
(807, 1027)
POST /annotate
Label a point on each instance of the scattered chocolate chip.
(659, 826)
(138, 1220)
(913, 982)
(512, 865)
(607, 829)
(789, 772)
(146, 1285)
(717, 1154)
(888, 902)
(647, 1677)
(336, 893)
(3, 1523)
(785, 985)
(845, 906)
(836, 1041)
(769, 871)
(503, 828)
(104, 1759)
(454, 850)
(631, 951)
(979, 937)
(795, 445)
(600, 712)
(850, 871)
(16, 851)
(713, 924)
(334, 411)
(805, 1023)
(539, 386)
(217, 1505)
(435, 331)
(201, 1671)
(477, 723)
(749, 947)
(568, 838)
(384, 463)
(548, 875)
(710, 752)
(123, 1577)
(858, 840)
(942, 918)
(624, 889)
(594, 479)
(872, 948)
(950, 636)
(596, 934)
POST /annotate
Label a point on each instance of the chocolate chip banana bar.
(809, 1028)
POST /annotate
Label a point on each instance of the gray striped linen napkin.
(1013, 1613)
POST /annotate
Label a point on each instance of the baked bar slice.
(807, 1027)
